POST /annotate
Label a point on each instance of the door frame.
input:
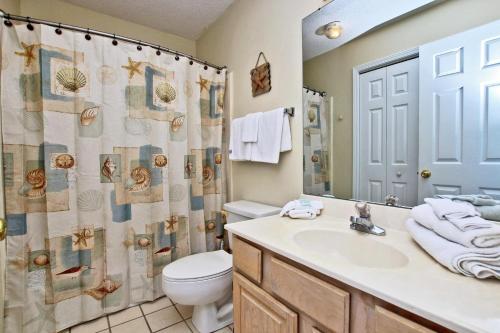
(356, 73)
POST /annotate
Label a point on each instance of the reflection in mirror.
(410, 100)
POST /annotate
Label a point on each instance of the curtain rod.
(7, 17)
(321, 93)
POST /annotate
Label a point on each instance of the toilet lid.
(198, 266)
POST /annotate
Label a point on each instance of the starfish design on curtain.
(203, 84)
(45, 315)
(27, 53)
(132, 67)
(82, 236)
(171, 222)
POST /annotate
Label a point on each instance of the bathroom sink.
(359, 249)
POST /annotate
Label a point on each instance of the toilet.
(204, 280)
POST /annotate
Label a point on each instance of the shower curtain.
(113, 167)
(316, 144)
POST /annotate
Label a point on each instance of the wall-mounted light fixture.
(331, 30)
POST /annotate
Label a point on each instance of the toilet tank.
(243, 210)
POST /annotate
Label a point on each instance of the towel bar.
(290, 111)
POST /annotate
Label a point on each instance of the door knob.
(399, 174)
(3, 229)
(426, 173)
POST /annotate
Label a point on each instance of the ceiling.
(185, 18)
(356, 18)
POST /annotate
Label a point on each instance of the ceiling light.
(331, 30)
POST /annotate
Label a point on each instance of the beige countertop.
(421, 285)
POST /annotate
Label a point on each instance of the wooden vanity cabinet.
(272, 294)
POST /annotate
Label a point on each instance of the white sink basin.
(360, 249)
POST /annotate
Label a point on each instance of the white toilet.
(205, 279)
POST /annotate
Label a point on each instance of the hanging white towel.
(274, 136)
(480, 238)
(238, 150)
(250, 127)
(481, 263)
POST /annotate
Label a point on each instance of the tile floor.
(160, 316)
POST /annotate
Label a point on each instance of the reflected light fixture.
(331, 30)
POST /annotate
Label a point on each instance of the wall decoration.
(261, 77)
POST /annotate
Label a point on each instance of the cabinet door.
(257, 311)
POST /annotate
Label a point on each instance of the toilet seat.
(199, 267)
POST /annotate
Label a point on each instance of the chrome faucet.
(363, 222)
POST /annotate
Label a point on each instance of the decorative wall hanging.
(261, 77)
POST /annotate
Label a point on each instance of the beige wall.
(236, 39)
(332, 71)
(59, 11)
(10, 6)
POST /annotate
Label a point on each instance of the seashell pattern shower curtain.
(317, 149)
(113, 167)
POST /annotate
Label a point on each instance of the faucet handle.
(363, 209)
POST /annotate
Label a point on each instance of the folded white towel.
(302, 208)
(481, 238)
(470, 223)
(238, 150)
(273, 137)
(250, 127)
(481, 263)
(448, 208)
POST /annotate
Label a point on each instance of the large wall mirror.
(402, 100)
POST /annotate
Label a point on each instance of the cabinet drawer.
(257, 311)
(321, 301)
(247, 259)
(390, 322)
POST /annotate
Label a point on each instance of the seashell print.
(311, 114)
(64, 161)
(71, 78)
(36, 178)
(141, 177)
(41, 260)
(160, 161)
(208, 175)
(90, 200)
(220, 99)
(144, 242)
(165, 92)
(315, 158)
(210, 225)
(177, 123)
(108, 168)
(107, 286)
(218, 158)
(137, 126)
(32, 121)
(163, 250)
(88, 115)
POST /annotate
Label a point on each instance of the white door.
(460, 113)
(372, 135)
(388, 133)
(402, 131)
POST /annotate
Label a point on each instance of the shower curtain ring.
(158, 52)
(191, 62)
(115, 42)
(139, 47)
(7, 21)
(87, 35)
(177, 57)
(30, 26)
(58, 29)
(205, 67)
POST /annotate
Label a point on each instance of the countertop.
(421, 286)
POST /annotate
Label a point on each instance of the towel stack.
(260, 137)
(457, 236)
(302, 209)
